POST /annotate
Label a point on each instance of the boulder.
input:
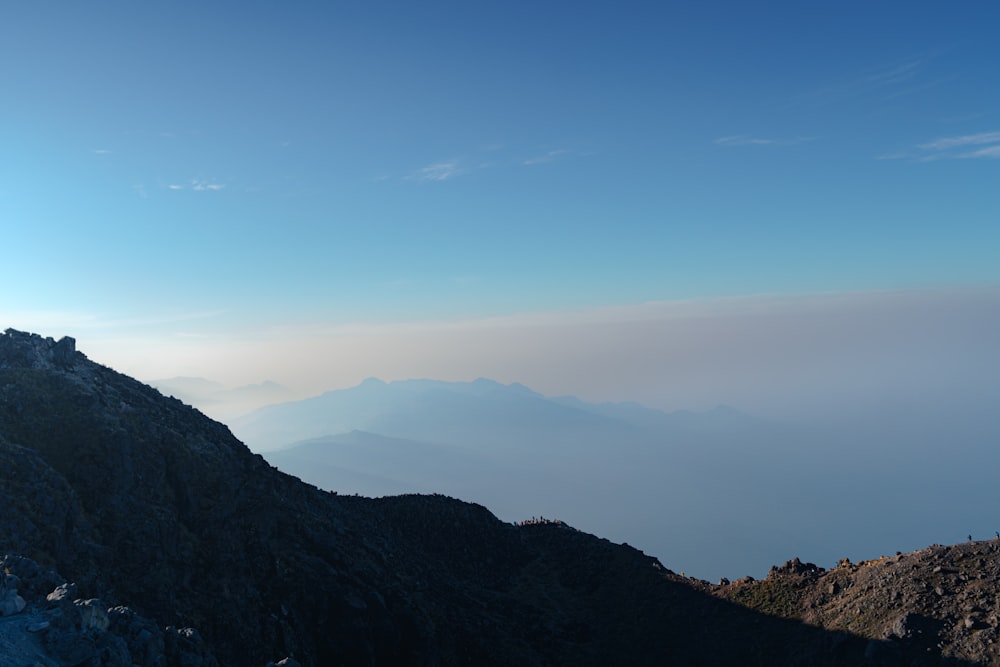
(62, 594)
(11, 603)
(93, 616)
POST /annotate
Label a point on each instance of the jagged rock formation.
(141, 501)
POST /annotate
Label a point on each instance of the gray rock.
(93, 615)
(11, 603)
(285, 662)
(64, 593)
(185, 647)
(143, 637)
(914, 627)
(64, 350)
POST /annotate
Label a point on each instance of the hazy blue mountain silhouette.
(635, 474)
(451, 412)
(716, 493)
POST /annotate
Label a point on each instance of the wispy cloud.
(101, 151)
(946, 143)
(894, 74)
(745, 140)
(742, 140)
(445, 170)
(198, 185)
(547, 157)
(436, 171)
(989, 151)
(880, 83)
(555, 154)
(963, 146)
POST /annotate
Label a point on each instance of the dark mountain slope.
(144, 501)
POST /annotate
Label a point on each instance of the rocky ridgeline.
(924, 607)
(184, 548)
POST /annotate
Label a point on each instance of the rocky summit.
(136, 531)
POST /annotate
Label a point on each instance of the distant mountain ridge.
(430, 409)
(620, 469)
(716, 493)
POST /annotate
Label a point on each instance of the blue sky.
(176, 172)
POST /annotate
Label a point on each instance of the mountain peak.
(30, 350)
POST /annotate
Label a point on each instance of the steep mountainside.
(142, 501)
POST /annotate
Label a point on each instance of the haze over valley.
(717, 494)
(843, 425)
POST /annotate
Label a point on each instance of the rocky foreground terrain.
(138, 531)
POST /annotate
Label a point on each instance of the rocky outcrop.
(28, 350)
(61, 629)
